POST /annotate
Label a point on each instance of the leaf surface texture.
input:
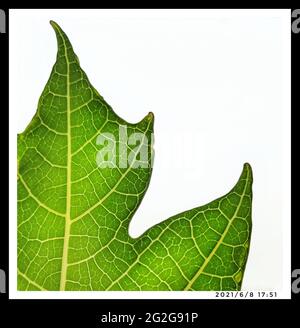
(73, 216)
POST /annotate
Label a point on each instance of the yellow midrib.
(64, 264)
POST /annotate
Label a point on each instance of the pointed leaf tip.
(150, 116)
(247, 166)
(64, 44)
(248, 169)
(54, 24)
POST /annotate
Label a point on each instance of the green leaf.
(73, 215)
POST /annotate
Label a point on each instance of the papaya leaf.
(82, 173)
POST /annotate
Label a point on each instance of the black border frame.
(86, 312)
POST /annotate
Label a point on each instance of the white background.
(218, 83)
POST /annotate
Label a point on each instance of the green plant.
(73, 214)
